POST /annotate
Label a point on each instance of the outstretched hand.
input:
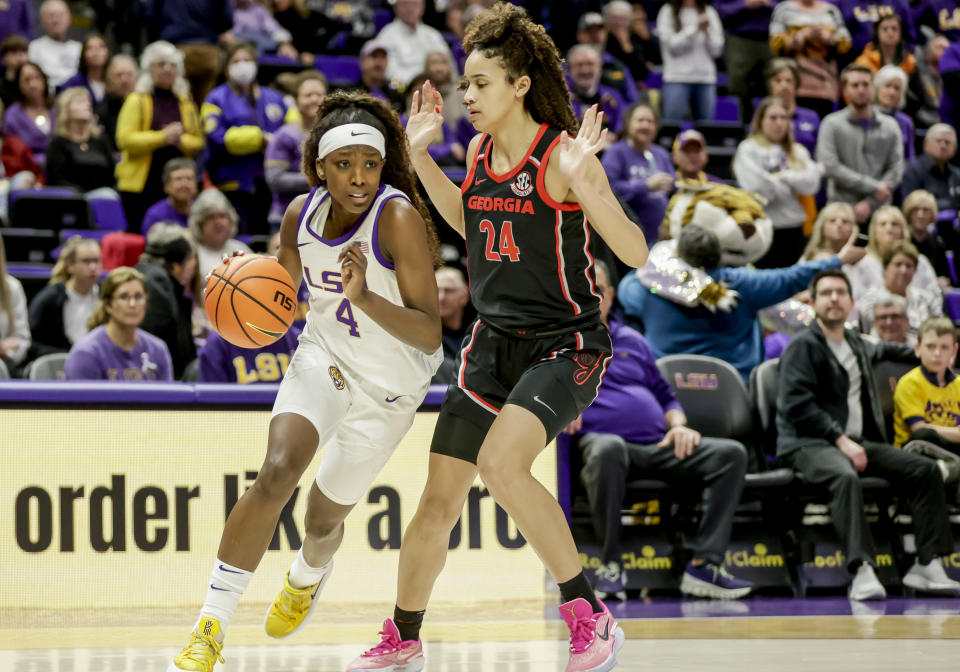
(573, 156)
(425, 118)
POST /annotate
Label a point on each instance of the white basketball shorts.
(360, 423)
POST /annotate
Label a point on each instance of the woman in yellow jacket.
(158, 122)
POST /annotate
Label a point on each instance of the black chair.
(52, 209)
(878, 491)
(33, 277)
(717, 403)
(887, 374)
(29, 245)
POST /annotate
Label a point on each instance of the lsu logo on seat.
(696, 381)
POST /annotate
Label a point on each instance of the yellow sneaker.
(293, 607)
(203, 651)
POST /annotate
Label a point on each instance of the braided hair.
(350, 107)
(522, 47)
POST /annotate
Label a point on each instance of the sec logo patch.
(522, 184)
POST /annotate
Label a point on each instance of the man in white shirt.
(57, 56)
(408, 41)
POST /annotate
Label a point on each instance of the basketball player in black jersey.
(534, 193)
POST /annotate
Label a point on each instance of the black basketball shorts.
(554, 376)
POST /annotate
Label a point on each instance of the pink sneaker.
(594, 638)
(391, 654)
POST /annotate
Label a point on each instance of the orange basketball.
(251, 300)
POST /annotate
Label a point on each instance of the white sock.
(302, 574)
(944, 470)
(227, 584)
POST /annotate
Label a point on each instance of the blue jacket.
(234, 128)
(734, 336)
(189, 21)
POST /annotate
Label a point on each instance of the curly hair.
(522, 47)
(350, 107)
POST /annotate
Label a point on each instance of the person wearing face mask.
(770, 163)
(640, 171)
(158, 122)
(169, 266)
(240, 119)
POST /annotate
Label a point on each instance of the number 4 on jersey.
(345, 315)
(506, 248)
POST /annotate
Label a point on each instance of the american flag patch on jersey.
(365, 247)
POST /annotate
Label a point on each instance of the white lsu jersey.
(355, 340)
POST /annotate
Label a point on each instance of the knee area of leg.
(439, 512)
(611, 450)
(735, 452)
(276, 480)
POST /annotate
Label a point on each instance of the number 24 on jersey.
(506, 247)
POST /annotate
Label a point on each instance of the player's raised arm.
(403, 239)
(423, 124)
(577, 161)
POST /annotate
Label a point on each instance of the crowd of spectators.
(824, 118)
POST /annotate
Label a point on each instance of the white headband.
(351, 134)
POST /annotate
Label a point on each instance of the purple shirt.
(860, 17)
(255, 19)
(96, 357)
(943, 16)
(806, 125)
(628, 170)
(18, 123)
(222, 362)
(162, 211)
(633, 397)
(906, 130)
(15, 19)
(750, 23)
(611, 104)
(282, 168)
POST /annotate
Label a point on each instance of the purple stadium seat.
(951, 300)
(95, 234)
(276, 60)
(728, 109)
(108, 214)
(381, 17)
(953, 270)
(654, 79)
(339, 70)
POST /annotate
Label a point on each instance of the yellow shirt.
(919, 398)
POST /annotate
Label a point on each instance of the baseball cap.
(688, 136)
(371, 46)
(588, 20)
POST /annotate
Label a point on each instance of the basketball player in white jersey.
(367, 251)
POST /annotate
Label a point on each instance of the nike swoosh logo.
(479, 181)
(355, 134)
(229, 571)
(390, 401)
(225, 590)
(605, 635)
(267, 332)
(537, 399)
